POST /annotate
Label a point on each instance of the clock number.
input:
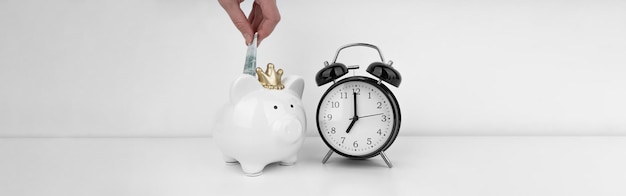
(369, 95)
(332, 130)
(329, 117)
(357, 91)
(384, 118)
(334, 104)
(343, 139)
(355, 144)
(369, 141)
(344, 95)
(379, 132)
(379, 105)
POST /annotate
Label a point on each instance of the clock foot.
(382, 154)
(330, 152)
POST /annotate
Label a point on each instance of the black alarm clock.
(358, 117)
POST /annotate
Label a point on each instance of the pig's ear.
(243, 85)
(294, 84)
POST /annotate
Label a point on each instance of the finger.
(251, 16)
(239, 19)
(271, 17)
(255, 17)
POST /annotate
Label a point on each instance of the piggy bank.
(263, 123)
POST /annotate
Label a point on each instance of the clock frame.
(381, 70)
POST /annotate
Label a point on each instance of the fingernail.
(248, 38)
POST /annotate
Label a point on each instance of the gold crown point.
(270, 79)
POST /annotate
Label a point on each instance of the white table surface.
(422, 166)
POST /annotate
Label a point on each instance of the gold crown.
(270, 79)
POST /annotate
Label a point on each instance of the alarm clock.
(358, 117)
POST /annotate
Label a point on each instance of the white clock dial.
(361, 133)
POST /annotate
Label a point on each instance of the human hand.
(262, 19)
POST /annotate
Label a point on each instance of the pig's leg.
(252, 170)
(229, 160)
(290, 160)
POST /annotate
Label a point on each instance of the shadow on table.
(343, 162)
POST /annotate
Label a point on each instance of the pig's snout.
(288, 130)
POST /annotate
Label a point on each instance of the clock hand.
(355, 114)
(370, 115)
(355, 117)
(352, 124)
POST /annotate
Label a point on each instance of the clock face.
(357, 118)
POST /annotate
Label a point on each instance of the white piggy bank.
(261, 126)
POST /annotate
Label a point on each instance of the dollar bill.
(250, 66)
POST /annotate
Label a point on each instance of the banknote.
(250, 66)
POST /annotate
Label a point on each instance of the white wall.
(161, 68)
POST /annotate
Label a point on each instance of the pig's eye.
(275, 107)
(291, 105)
